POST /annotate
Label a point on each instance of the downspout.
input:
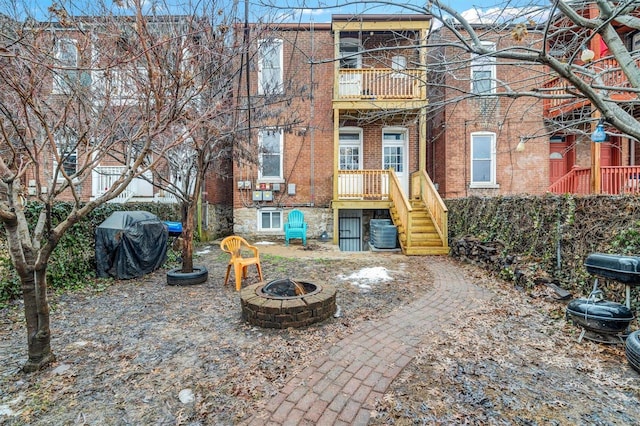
(312, 124)
(466, 158)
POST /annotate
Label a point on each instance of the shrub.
(72, 263)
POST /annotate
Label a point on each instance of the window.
(270, 67)
(399, 65)
(393, 151)
(269, 220)
(483, 160)
(66, 145)
(66, 65)
(483, 72)
(349, 150)
(270, 156)
(350, 53)
(119, 86)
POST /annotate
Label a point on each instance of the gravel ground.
(140, 352)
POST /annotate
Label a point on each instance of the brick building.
(94, 101)
(350, 146)
(482, 142)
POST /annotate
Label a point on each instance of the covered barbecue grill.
(130, 244)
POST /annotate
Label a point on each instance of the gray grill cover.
(130, 244)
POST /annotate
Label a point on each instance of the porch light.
(599, 134)
(587, 55)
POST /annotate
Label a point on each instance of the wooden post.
(596, 183)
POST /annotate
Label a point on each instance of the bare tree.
(581, 43)
(57, 128)
(127, 93)
(552, 34)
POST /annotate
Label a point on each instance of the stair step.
(425, 240)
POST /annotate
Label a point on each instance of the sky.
(305, 10)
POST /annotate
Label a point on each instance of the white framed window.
(270, 154)
(66, 145)
(350, 148)
(66, 65)
(483, 72)
(270, 67)
(483, 160)
(269, 220)
(399, 65)
(119, 85)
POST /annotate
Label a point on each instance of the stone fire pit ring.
(269, 311)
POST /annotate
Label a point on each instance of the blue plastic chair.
(295, 227)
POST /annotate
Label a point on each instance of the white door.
(394, 155)
(350, 82)
(350, 148)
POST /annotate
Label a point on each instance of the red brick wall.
(308, 144)
(450, 129)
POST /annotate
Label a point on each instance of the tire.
(632, 350)
(199, 275)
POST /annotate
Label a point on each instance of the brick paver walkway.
(340, 388)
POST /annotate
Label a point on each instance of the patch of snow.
(378, 273)
(338, 313)
(264, 243)
(365, 277)
(186, 396)
(6, 411)
(61, 369)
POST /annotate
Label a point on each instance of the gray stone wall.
(219, 220)
(318, 220)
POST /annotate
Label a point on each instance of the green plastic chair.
(295, 227)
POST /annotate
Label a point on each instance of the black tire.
(199, 275)
(632, 350)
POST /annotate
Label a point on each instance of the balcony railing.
(379, 83)
(620, 180)
(614, 180)
(103, 178)
(363, 185)
(609, 72)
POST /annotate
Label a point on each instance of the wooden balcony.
(362, 189)
(614, 180)
(607, 69)
(140, 190)
(375, 87)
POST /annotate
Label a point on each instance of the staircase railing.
(401, 203)
(422, 187)
(576, 181)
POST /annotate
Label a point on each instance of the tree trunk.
(36, 309)
(188, 214)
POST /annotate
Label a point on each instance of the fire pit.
(285, 303)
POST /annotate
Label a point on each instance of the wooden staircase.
(421, 238)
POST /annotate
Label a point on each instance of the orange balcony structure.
(613, 167)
